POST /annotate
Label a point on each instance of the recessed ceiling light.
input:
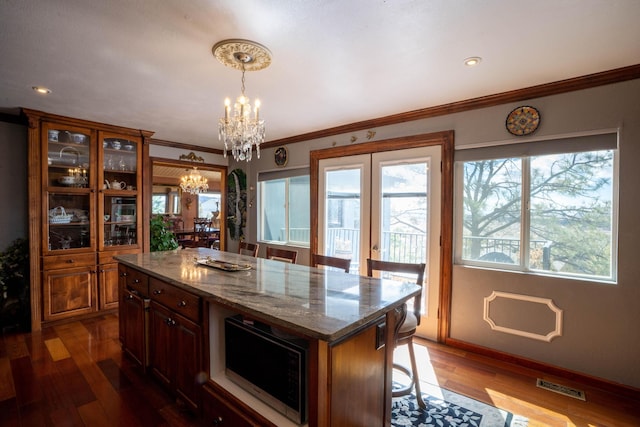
(474, 60)
(41, 90)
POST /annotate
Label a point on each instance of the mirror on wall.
(180, 208)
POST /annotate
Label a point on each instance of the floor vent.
(561, 389)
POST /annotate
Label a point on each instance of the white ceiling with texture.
(148, 63)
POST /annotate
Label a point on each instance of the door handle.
(374, 248)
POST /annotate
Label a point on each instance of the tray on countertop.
(221, 265)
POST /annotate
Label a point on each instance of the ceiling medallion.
(242, 128)
(523, 120)
(235, 52)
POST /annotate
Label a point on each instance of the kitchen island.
(346, 320)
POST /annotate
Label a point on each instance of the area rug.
(448, 409)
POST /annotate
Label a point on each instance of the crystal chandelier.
(193, 183)
(241, 128)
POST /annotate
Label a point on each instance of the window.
(165, 200)
(284, 207)
(208, 205)
(549, 209)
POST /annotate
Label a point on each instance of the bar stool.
(248, 249)
(282, 255)
(330, 261)
(408, 323)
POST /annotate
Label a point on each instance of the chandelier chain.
(242, 88)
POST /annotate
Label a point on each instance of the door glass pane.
(404, 213)
(120, 221)
(68, 222)
(342, 215)
(68, 156)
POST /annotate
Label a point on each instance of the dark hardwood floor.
(75, 375)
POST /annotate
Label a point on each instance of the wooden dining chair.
(282, 255)
(408, 322)
(201, 234)
(250, 249)
(330, 261)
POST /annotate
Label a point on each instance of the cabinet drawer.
(137, 281)
(217, 412)
(68, 261)
(175, 299)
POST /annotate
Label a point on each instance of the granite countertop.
(322, 304)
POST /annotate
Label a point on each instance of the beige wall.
(600, 334)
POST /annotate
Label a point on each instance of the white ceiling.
(148, 63)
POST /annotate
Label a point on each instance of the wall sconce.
(188, 202)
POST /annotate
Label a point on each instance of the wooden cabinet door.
(108, 285)
(162, 348)
(188, 339)
(133, 324)
(68, 292)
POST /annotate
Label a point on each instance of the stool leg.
(416, 379)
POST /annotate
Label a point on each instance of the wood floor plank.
(26, 384)
(112, 372)
(9, 415)
(15, 347)
(66, 417)
(75, 386)
(120, 411)
(57, 350)
(93, 415)
(7, 389)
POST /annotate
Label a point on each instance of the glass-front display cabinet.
(85, 208)
(68, 183)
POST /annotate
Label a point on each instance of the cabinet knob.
(157, 291)
(182, 304)
(129, 297)
(123, 274)
(217, 421)
(70, 261)
(136, 281)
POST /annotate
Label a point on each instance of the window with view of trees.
(552, 213)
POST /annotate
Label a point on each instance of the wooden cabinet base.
(69, 292)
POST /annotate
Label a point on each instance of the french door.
(384, 206)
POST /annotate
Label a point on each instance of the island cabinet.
(345, 322)
(175, 340)
(85, 197)
(133, 312)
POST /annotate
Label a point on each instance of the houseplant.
(14, 286)
(162, 239)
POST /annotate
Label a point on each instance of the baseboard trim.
(588, 380)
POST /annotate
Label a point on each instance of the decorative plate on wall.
(523, 120)
(281, 156)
